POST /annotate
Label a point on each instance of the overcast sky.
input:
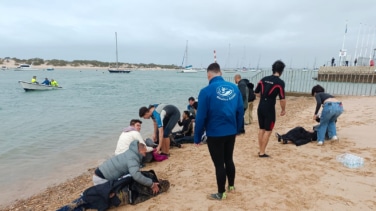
(242, 32)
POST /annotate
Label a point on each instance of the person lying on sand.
(115, 193)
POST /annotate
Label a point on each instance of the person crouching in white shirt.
(129, 134)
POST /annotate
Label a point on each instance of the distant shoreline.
(11, 64)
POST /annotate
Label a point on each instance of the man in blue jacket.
(220, 113)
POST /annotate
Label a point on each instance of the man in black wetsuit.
(268, 88)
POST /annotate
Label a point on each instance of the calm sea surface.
(49, 136)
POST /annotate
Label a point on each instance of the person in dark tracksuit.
(242, 85)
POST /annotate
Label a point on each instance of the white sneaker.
(334, 138)
(320, 143)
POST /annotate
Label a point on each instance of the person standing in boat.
(34, 80)
(164, 117)
(46, 82)
(54, 83)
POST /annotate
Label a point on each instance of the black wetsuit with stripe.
(269, 88)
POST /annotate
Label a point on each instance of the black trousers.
(221, 151)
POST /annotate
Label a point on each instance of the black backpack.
(251, 94)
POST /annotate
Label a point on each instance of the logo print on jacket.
(225, 92)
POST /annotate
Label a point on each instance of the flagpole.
(343, 47)
(362, 45)
(369, 32)
(357, 41)
(373, 39)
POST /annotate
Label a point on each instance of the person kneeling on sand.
(116, 193)
(185, 134)
(129, 134)
(125, 163)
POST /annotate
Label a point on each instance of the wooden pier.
(354, 74)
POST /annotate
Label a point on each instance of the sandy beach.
(307, 177)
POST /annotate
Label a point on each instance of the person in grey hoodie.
(125, 163)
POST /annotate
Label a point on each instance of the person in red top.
(268, 88)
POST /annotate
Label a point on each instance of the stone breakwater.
(352, 74)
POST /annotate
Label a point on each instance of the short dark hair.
(186, 113)
(214, 67)
(278, 67)
(142, 111)
(317, 89)
(134, 121)
(191, 99)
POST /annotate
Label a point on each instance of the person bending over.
(164, 117)
(332, 109)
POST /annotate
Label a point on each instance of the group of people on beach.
(219, 116)
(45, 82)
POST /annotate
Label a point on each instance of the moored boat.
(117, 69)
(186, 68)
(25, 67)
(27, 86)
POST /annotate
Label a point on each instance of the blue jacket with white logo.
(220, 110)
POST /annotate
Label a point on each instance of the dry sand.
(294, 178)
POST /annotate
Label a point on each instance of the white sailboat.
(227, 68)
(257, 67)
(117, 70)
(186, 68)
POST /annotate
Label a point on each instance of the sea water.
(49, 136)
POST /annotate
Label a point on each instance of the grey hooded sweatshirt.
(124, 163)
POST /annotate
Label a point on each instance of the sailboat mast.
(117, 66)
(186, 55)
(258, 62)
(228, 65)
